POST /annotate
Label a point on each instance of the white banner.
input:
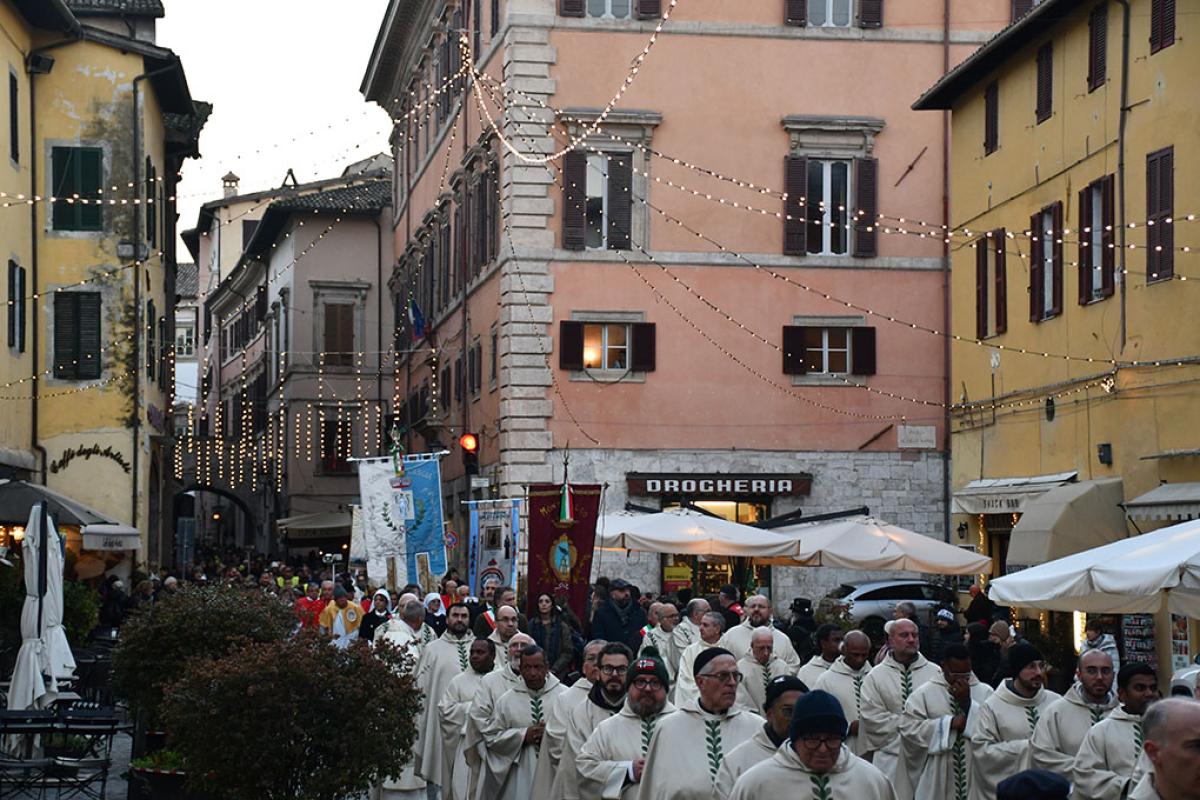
(385, 512)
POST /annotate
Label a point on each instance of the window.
(1045, 81)
(77, 172)
(1021, 7)
(831, 347)
(598, 209)
(185, 339)
(151, 355)
(606, 346)
(249, 226)
(495, 18)
(991, 118)
(613, 345)
(1045, 264)
(1160, 207)
(459, 384)
(336, 441)
(1162, 24)
(475, 358)
(827, 206)
(829, 13)
(991, 286)
(14, 119)
(494, 359)
(338, 343)
(444, 388)
(16, 307)
(151, 206)
(1096, 251)
(76, 335)
(1097, 46)
(612, 9)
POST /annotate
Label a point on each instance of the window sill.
(607, 376)
(823, 379)
(1167, 278)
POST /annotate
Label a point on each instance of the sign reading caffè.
(652, 484)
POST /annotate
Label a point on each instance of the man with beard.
(829, 649)
(886, 689)
(442, 660)
(1106, 766)
(1001, 730)
(506, 627)
(758, 615)
(611, 762)
(935, 761)
(844, 681)
(757, 670)
(1060, 730)
(452, 720)
(782, 695)
(512, 736)
(483, 704)
(686, 689)
(689, 746)
(558, 716)
(619, 619)
(604, 700)
(814, 764)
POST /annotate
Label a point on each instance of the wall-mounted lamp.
(1104, 453)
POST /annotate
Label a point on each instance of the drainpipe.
(1121, 163)
(946, 359)
(378, 313)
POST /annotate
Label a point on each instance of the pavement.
(118, 786)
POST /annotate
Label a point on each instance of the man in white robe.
(506, 628)
(688, 746)
(405, 633)
(758, 615)
(495, 684)
(407, 628)
(1106, 767)
(886, 689)
(1172, 729)
(611, 761)
(686, 690)
(1001, 729)
(844, 681)
(452, 716)
(813, 764)
(512, 736)
(686, 632)
(662, 636)
(557, 717)
(441, 661)
(829, 647)
(935, 759)
(782, 696)
(1060, 730)
(757, 670)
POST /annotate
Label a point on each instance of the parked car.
(1187, 679)
(873, 603)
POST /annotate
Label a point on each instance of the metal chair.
(23, 775)
(84, 772)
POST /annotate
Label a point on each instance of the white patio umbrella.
(685, 531)
(867, 543)
(1132, 576)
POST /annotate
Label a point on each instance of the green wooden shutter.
(89, 334)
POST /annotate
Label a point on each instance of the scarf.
(623, 612)
(441, 612)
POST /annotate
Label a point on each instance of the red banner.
(560, 551)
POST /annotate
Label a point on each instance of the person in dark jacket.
(114, 605)
(620, 619)
(981, 608)
(946, 632)
(985, 654)
(381, 612)
(552, 633)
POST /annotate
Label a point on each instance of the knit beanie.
(1021, 656)
(1034, 784)
(817, 712)
(649, 665)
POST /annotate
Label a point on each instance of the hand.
(960, 690)
(959, 723)
(854, 728)
(533, 734)
(639, 766)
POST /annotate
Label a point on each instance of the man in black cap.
(1034, 784)
(781, 696)
(611, 763)
(814, 764)
(1001, 730)
(620, 619)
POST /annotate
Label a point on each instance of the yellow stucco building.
(1074, 282)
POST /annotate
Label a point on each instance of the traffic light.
(469, 443)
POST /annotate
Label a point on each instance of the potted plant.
(161, 774)
(298, 719)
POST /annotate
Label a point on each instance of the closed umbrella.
(685, 531)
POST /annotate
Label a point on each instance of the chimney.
(230, 184)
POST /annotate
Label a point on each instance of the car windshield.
(842, 591)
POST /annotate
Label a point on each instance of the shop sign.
(86, 453)
(676, 578)
(646, 484)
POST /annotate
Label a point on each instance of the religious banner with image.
(402, 516)
(382, 515)
(562, 532)
(492, 543)
(425, 536)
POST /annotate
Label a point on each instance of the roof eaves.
(48, 14)
(164, 67)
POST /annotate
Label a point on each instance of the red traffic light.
(469, 442)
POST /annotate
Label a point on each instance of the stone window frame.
(338, 292)
(829, 321)
(610, 375)
(107, 175)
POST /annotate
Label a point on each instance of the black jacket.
(607, 625)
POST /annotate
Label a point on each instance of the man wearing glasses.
(574, 695)
(662, 636)
(613, 759)
(688, 747)
(1060, 731)
(935, 760)
(782, 694)
(813, 764)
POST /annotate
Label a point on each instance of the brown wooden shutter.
(862, 351)
(1036, 264)
(795, 226)
(1056, 306)
(574, 171)
(89, 334)
(1020, 8)
(1162, 24)
(649, 9)
(795, 12)
(1045, 81)
(981, 289)
(620, 201)
(1166, 210)
(571, 8)
(870, 13)
(793, 350)
(1097, 47)
(570, 345)
(1085, 245)
(642, 359)
(866, 193)
(1108, 239)
(991, 117)
(999, 245)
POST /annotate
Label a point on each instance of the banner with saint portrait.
(562, 532)
(492, 543)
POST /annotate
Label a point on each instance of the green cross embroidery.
(858, 693)
(766, 681)
(462, 655)
(1097, 714)
(820, 787)
(715, 753)
(1032, 714)
(906, 686)
(959, 753)
(535, 709)
(647, 733)
(1139, 739)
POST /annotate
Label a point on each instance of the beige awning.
(1006, 495)
(1171, 501)
(111, 537)
(1068, 519)
(322, 520)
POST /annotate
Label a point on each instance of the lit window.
(827, 350)
(828, 201)
(605, 346)
(829, 13)
(613, 9)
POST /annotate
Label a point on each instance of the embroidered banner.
(492, 542)
(382, 516)
(560, 551)
(402, 517)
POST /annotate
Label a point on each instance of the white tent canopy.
(685, 531)
(866, 543)
(1125, 577)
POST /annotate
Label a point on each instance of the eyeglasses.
(815, 743)
(724, 677)
(648, 685)
(609, 669)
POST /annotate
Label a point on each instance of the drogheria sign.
(652, 484)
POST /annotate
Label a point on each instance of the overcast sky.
(283, 76)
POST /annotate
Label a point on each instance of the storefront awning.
(321, 525)
(111, 537)
(1006, 495)
(1171, 501)
(1068, 519)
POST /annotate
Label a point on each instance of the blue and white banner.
(492, 542)
(424, 522)
(402, 517)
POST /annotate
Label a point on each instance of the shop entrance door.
(706, 577)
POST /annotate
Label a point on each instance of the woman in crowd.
(435, 614)
(552, 634)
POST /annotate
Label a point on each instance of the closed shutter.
(478, 349)
(981, 289)
(339, 335)
(1085, 245)
(870, 13)
(164, 355)
(1162, 24)
(862, 351)
(570, 345)
(12, 304)
(1045, 81)
(65, 177)
(150, 340)
(1165, 235)
(999, 245)
(866, 192)
(793, 350)
(260, 303)
(570, 8)
(991, 117)
(14, 124)
(574, 171)
(1036, 263)
(795, 227)
(1097, 47)
(1020, 8)
(1108, 239)
(620, 201)
(89, 334)
(795, 12)
(649, 9)
(1056, 283)
(643, 357)
(66, 334)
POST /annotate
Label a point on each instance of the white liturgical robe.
(687, 750)
(604, 761)
(441, 661)
(999, 733)
(737, 641)
(784, 775)
(845, 684)
(582, 721)
(452, 718)
(1107, 765)
(935, 759)
(509, 765)
(813, 669)
(752, 691)
(755, 750)
(885, 690)
(685, 688)
(1061, 728)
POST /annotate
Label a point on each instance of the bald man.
(1172, 731)
(758, 669)
(844, 681)
(493, 685)
(758, 615)
(506, 626)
